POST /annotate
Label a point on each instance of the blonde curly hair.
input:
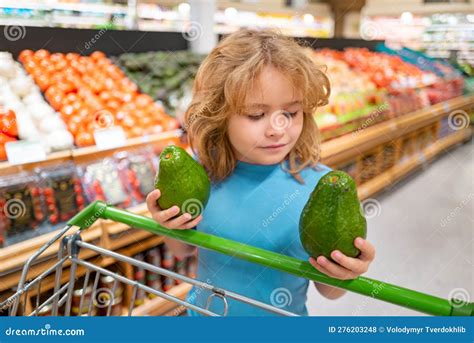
(220, 90)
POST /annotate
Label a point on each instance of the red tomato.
(8, 123)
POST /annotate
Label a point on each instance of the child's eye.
(290, 114)
(255, 116)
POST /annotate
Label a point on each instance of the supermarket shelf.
(63, 6)
(89, 153)
(402, 169)
(159, 306)
(345, 148)
(10, 279)
(15, 256)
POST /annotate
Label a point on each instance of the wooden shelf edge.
(16, 255)
(92, 151)
(339, 150)
(398, 171)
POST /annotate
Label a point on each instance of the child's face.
(272, 123)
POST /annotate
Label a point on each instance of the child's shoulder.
(312, 174)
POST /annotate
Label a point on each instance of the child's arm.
(167, 219)
(178, 249)
(329, 291)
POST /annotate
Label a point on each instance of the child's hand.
(346, 268)
(166, 217)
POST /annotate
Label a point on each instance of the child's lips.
(274, 146)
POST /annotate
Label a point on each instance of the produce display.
(387, 71)
(24, 114)
(182, 181)
(354, 97)
(91, 93)
(37, 202)
(166, 76)
(62, 191)
(21, 204)
(332, 218)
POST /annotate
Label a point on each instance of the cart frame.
(72, 244)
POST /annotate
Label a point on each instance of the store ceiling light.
(231, 13)
(308, 19)
(184, 8)
(406, 17)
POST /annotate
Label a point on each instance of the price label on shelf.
(21, 152)
(112, 137)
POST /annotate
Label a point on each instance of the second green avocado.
(332, 218)
(182, 181)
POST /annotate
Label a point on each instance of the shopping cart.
(72, 244)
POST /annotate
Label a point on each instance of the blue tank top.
(259, 205)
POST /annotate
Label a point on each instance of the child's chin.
(272, 159)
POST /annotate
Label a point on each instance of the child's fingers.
(353, 264)
(179, 222)
(163, 216)
(367, 250)
(335, 270)
(193, 222)
(151, 200)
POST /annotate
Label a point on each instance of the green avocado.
(332, 218)
(182, 181)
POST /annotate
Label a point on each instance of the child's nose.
(278, 123)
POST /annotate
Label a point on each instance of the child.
(251, 124)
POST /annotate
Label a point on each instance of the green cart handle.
(379, 290)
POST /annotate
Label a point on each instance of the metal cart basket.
(72, 244)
